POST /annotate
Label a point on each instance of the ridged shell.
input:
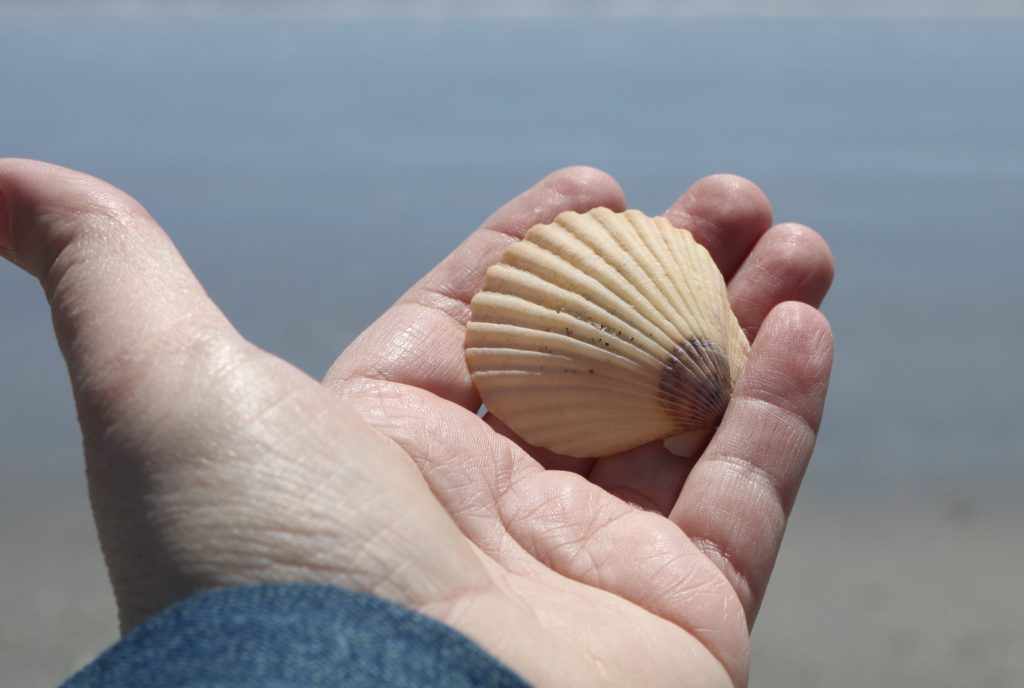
(603, 331)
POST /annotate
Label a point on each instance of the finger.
(419, 340)
(726, 214)
(790, 262)
(730, 216)
(649, 476)
(738, 496)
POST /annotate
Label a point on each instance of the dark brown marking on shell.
(695, 384)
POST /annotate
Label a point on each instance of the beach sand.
(918, 594)
(924, 593)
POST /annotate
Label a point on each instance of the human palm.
(213, 463)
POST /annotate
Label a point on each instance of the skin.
(213, 463)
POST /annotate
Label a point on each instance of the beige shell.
(604, 331)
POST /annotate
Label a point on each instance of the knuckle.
(100, 205)
(582, 181)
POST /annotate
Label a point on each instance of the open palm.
(213, 463)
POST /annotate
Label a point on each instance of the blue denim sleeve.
(292, 634)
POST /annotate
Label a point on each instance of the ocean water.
(312, 169)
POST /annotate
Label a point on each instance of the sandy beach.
(915, 594)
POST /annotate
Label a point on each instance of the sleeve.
(292, 634)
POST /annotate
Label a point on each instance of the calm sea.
(311, 169)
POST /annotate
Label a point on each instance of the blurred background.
(312, 160)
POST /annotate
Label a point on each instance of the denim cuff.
(292, 634)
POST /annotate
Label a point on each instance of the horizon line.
(527, 9)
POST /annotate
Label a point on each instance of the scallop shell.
(604, 331)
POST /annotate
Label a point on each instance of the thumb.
(210, 462)
(120, 294)
(140, 338)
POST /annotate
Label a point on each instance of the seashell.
(604, 331)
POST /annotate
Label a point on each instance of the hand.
(213, 463)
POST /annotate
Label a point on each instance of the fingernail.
(6, 238)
